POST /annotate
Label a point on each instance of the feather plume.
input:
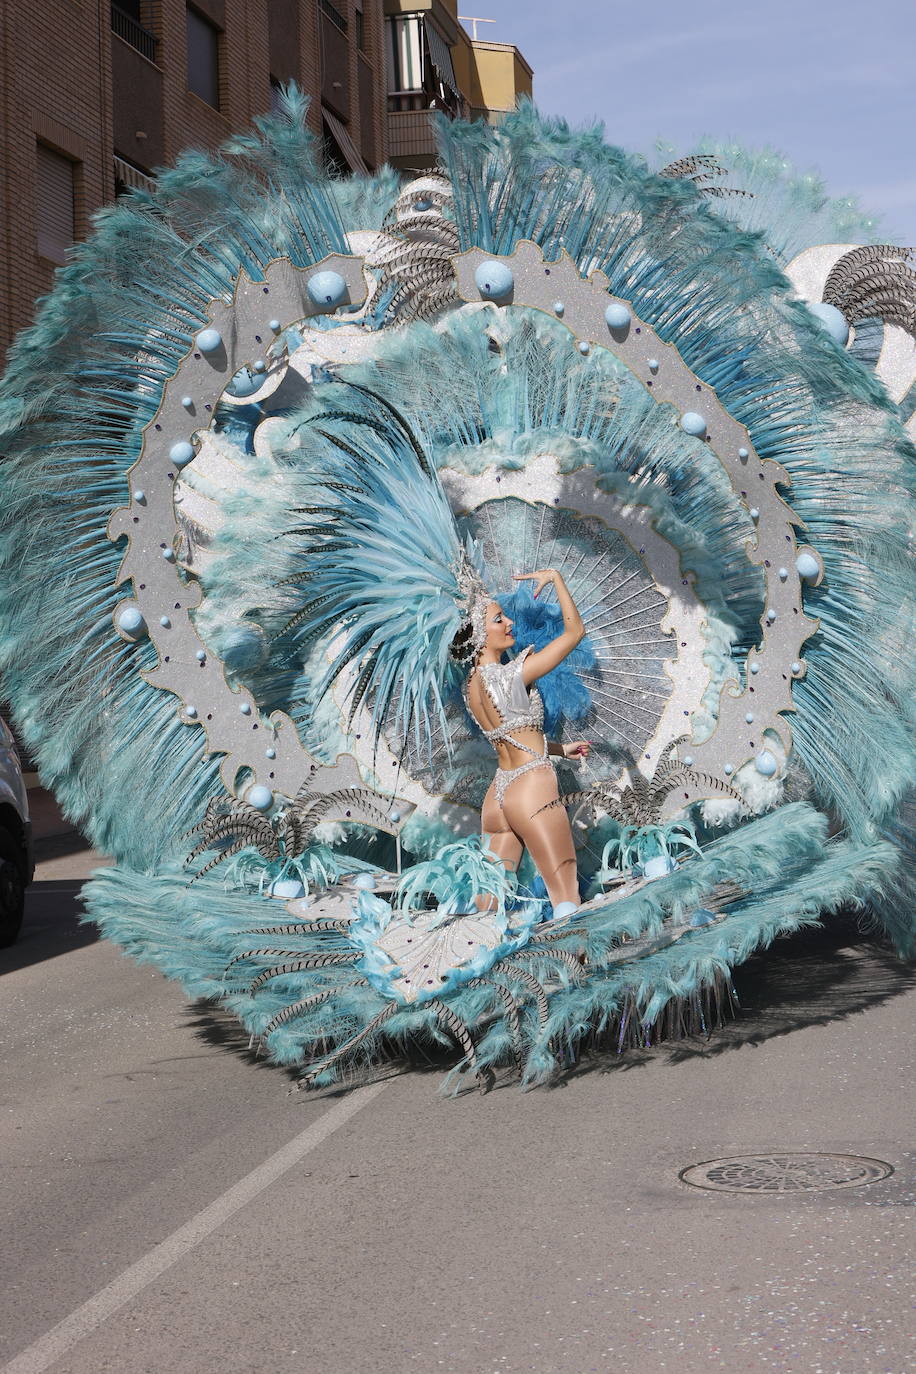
(380, 564)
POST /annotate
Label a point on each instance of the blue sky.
(829, 83)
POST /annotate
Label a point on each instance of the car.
(17, 863)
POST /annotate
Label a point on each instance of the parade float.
(261, 407)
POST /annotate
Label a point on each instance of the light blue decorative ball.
(181, 453)
(131, 623)
(364, 882)
(585, 346)
(274, 325)
(765, 763)
(245, 708)
(165, 622)
(833, 320)
(728, 770)
(168, 555)
(187, 402)
(658, 866)
(201, 655)
(209, 340)
(559, 308)
(394, 816)
(327, 289)
(270, 752)
(260, 797)
(287, 888)
(244, 383)
(744, 453)
(653, 364)
(494, 280)
(191, 712)
(260, 365)
(807, 566)
(755, 668)
(617, 316)
(692, 422)
(749, 717)
(140, 497)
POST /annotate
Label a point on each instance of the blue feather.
(566, 698)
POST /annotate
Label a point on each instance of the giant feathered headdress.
(384, 564)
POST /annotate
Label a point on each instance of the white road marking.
(56, 1342)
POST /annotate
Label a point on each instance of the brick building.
(97, 95)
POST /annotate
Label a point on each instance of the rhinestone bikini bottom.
(505, 776)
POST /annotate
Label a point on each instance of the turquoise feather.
(85, 380)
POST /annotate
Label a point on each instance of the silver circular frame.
(165, 597)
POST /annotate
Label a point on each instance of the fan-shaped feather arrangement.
(260, 409)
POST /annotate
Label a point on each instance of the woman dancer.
(516, 813)
(403, 598)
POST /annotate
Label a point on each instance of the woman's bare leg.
(504, 843)
(546, 834)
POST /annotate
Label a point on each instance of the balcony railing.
(404, 102)
(333, 13)
(410, 134)
(133, 33)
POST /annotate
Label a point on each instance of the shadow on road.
(810, 978)
(219, 1028)
(51, 925)
(820, 975)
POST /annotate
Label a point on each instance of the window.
(419, 67)
(203, 58)
(55, 204)
(360, 30)
(405, 54)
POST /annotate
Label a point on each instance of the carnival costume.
(518, 708)
(275, 439)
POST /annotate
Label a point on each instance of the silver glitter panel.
(766, 695)
(228, 719)
(623, 612)
(671, 649)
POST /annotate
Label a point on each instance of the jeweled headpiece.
(472, 603)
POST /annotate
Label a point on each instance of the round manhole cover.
(785, 1173)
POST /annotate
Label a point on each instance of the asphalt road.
(168, 1206)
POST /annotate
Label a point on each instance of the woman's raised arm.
(573, 632)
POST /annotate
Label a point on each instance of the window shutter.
(55, 218)
(203, 58)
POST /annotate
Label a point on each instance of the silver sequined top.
(516, 705)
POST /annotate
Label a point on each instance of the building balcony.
(134, 34)
(411, 141)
